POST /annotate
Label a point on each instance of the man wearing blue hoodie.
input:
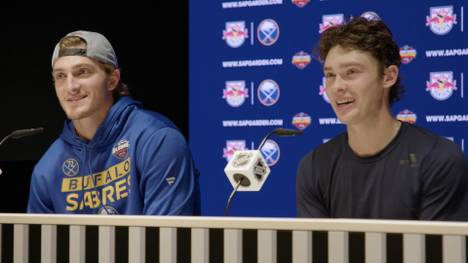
(113, 157)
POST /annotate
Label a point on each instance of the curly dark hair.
(372, 36)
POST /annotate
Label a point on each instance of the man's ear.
(390, 76)
(113, 79)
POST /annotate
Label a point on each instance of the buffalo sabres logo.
(268, 32)
(441, 19)
(271, 152)
(441, 85)
(108, 210)
(235, 33)
(268, 92)
(70, 167)
(120, 150)
(235, 93)
(323, 90)
(231, 147)
(329, 21)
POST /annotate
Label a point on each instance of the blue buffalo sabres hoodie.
(137, 163)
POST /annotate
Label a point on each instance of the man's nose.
(72, 83)
(338, 85)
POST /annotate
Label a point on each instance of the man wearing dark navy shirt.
(380, 168)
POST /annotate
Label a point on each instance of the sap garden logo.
(268, 92)
(441, 19)
(329, 21)
(407, 116)
(323, 90)
(120, 150)
(271, 152)
(300, 3)
(407, 54)
(235, 93)
(301, 120)
(301, 59)
(268, 32)
(231, 147)
(235, 33)
(441, 85)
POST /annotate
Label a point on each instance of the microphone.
(26, 132)
(247, 170)
(20, 134)
(282, 132)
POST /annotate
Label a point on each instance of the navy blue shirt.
(418, 175)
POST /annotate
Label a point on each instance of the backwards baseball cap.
(97, 47)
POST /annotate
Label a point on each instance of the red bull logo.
(235, 93)
(231, 147)
(441, 85)
(407, 54)
(407, 116)
(323, 90)
(441, 19)
(235, 33)
(329, 21)
(301, 121)
(300, 3)
(301, 59)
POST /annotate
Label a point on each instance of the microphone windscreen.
(26, 132)
(287, 132)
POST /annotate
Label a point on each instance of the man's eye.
(351, 71)
(59, 76)
(329, 75)
(83, 71)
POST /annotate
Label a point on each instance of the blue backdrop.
(252, 68)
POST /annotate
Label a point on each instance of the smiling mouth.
(75, 99)
(344, 102)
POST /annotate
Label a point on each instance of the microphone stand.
(22, 133)
(226, 209)
(5, 138)
(279, 132)
(265, 139)
(19, 134)
(1, 142)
